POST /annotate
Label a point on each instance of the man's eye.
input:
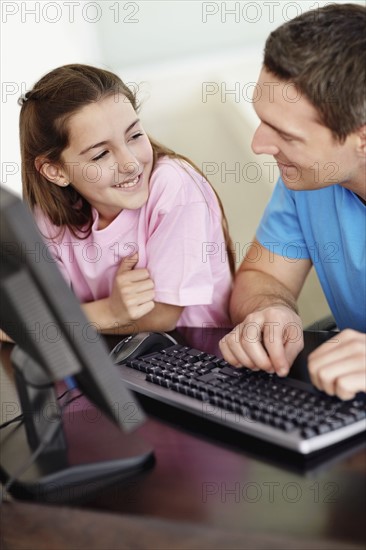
(287, 138)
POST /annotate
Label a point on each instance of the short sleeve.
(279, 229)
(175, 256)
(183, 217)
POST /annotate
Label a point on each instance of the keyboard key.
(323, 428)
(308, 432)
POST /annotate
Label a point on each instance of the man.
(310, 99)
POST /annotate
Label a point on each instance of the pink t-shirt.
(179, 239)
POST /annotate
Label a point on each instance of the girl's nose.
(127, 163)
(131, 167)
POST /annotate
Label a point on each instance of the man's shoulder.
(334, 197)
(329, 195)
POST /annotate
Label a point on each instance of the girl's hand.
(132, 293)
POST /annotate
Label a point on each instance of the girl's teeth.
(128, 184)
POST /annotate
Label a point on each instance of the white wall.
(172, 30)
(145, 38)
(31, 45)
(193, 65)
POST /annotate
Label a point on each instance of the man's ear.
(51, 171)
(361, 134)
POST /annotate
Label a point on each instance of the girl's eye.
(101, 155)
(137, 135)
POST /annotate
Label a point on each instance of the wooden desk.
(205, 492)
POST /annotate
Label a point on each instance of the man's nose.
(263, 141)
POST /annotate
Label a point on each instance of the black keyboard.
(282, 411)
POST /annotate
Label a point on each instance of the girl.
(135, 229)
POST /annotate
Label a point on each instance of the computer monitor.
(55, 342)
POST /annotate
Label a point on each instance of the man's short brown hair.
(322, 52)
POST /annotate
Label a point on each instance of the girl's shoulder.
(176, 179)
(44, 224)
(49, 231)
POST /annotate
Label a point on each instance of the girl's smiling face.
(109, 157)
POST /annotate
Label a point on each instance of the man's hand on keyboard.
(268, 339)
(338, 366)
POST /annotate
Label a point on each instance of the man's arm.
(265, 278)
(268, 334)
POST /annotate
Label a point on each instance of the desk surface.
(209, 492)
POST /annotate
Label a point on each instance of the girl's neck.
(105, 220)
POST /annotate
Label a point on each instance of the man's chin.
(304, 185)
(293, 185)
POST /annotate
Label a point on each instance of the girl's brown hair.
(45, 113)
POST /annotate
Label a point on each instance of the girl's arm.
(163, 317)
(131, 306)
(4, 337)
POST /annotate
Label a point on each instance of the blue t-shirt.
(329, 227)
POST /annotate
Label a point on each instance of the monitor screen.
(43, 317)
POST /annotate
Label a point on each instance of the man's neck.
(357, 188)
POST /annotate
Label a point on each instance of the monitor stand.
(87, 453)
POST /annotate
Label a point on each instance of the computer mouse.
(141, 343)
